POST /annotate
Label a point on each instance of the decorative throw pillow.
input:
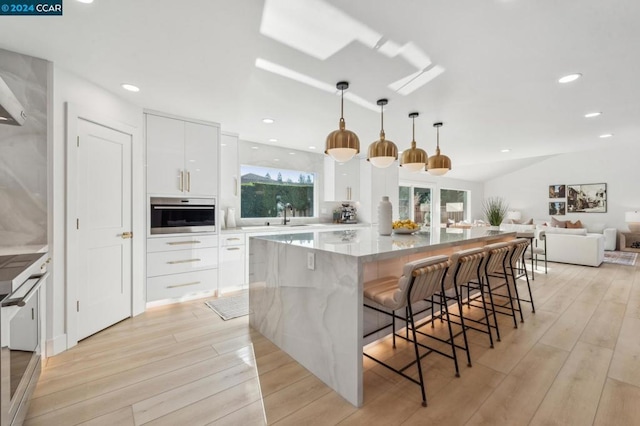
(577, 224)
(521, 222)
(555, 223)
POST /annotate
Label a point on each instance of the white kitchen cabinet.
(181, 267)
(229, 171)
(341, 180)
(232, 264)
(182, 157)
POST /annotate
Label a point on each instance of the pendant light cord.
(382, 118)
(413, 133)
(341, 104)
(438, 137)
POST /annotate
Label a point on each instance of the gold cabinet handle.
(174, 262)
(127, 235)
(233, 248)
(233, 239)
(177, 243)
(183, 285)
(181, 181)
(188, 181)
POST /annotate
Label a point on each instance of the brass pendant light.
(414, 159)
(382, 153)
(342, 144)
(438, 164)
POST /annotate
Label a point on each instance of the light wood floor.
(575, 361)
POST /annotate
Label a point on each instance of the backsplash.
(23, 154)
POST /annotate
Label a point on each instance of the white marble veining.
(36, 248)
(367, 245)
(316, 314)
(23, 154)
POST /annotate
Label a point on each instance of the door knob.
(127, 235)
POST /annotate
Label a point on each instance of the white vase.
(222, 221)
(384, 216)
(231, 217)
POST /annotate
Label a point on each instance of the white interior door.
(104, 220)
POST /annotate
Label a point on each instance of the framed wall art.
(557, 191)
(557, 208)
(587, 198)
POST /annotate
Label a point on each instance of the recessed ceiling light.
(86, 1)
(268, 120)
(505, 150)
(592, 114)
(276, 159)
(273, 140)
(606, 135)
(569, 78)
(312, 147)
(223, 144)
(254, 147)
(130, 87)
(292, 153)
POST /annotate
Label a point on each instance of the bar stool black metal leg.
(493, 309)
(464, 331)
(415, 345)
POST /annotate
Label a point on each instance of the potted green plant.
(495, 210)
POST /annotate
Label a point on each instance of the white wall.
(86, 96)
(526, 190)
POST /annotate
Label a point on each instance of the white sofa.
(580, 246)
(567, 245)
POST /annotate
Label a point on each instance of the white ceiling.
(501, 62)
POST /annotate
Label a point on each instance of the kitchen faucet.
(284, 211)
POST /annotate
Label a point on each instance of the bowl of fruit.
(406, 226)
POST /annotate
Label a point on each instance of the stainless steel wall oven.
(182, 215)
(21, 277)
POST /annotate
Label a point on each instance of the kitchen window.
(265, 192)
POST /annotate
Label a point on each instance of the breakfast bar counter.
(305, 291)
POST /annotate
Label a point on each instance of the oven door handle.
(21, 301)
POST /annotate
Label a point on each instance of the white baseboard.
(56, 345)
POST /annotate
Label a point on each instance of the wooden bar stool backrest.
(496, 254)
(424, 271)
(464, 266)
(427, 280)
(519, 247)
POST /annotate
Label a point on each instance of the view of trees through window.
(266, 191)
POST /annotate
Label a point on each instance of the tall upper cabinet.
(182, 157)
(341, 180)
(229, 172)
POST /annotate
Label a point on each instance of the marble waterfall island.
(305, 291)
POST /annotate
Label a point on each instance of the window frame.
(315, 210)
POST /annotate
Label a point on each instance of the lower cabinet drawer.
(175, 286)
(175, 262)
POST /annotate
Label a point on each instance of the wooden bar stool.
(420, 279)
(518, 269)
(465, 272)
(498, 259)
